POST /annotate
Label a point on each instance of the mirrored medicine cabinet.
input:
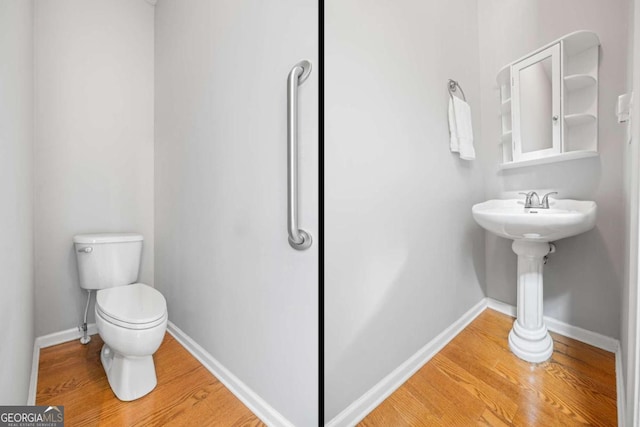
(549, 103)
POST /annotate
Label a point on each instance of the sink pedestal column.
(529, 338)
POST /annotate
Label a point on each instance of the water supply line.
(552, 250)
(85, 334)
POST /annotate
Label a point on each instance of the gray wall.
(223, 262)
(583, 280)
(16, 187)
(93, 140)
(403, 256)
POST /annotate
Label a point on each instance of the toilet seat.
(136, 306)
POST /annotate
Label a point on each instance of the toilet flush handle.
(86, 250)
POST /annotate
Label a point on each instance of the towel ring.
(452, 86)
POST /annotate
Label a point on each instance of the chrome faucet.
(533, 201)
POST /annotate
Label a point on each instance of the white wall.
(223, 262)
(629, 313)
(403, 256)
(583, 279)
(16, 187)
(93, 140)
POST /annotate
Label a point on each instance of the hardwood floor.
(476, 380)
(187, 394)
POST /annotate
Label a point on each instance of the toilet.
(131, 317)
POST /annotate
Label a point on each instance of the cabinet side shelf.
(506, 136)
(505, 107)
(579, 81)
(579, 119)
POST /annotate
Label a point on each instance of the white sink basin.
(509, 219)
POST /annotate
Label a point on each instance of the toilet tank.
(106, 260)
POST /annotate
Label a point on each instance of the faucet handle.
(528, 202)
(545, 199)
(527, 198)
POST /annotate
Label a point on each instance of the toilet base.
(130, 377)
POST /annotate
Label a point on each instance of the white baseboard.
(48, 341)
(64, 336)
(588, 337)
(359, 409)
(33, 381)
(255, 403)
(620, 390)
(501, 307)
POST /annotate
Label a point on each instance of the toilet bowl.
(131, 321)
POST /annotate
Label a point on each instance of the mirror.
(535, 106)
(536, 109)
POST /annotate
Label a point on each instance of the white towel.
(460, 128)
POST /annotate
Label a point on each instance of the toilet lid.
(137, 303)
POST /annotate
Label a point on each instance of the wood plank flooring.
(187, 394)
(476, 380)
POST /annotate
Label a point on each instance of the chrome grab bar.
(298, 238)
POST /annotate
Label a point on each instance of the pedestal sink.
(532, 231)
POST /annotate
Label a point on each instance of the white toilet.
(131, 317)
